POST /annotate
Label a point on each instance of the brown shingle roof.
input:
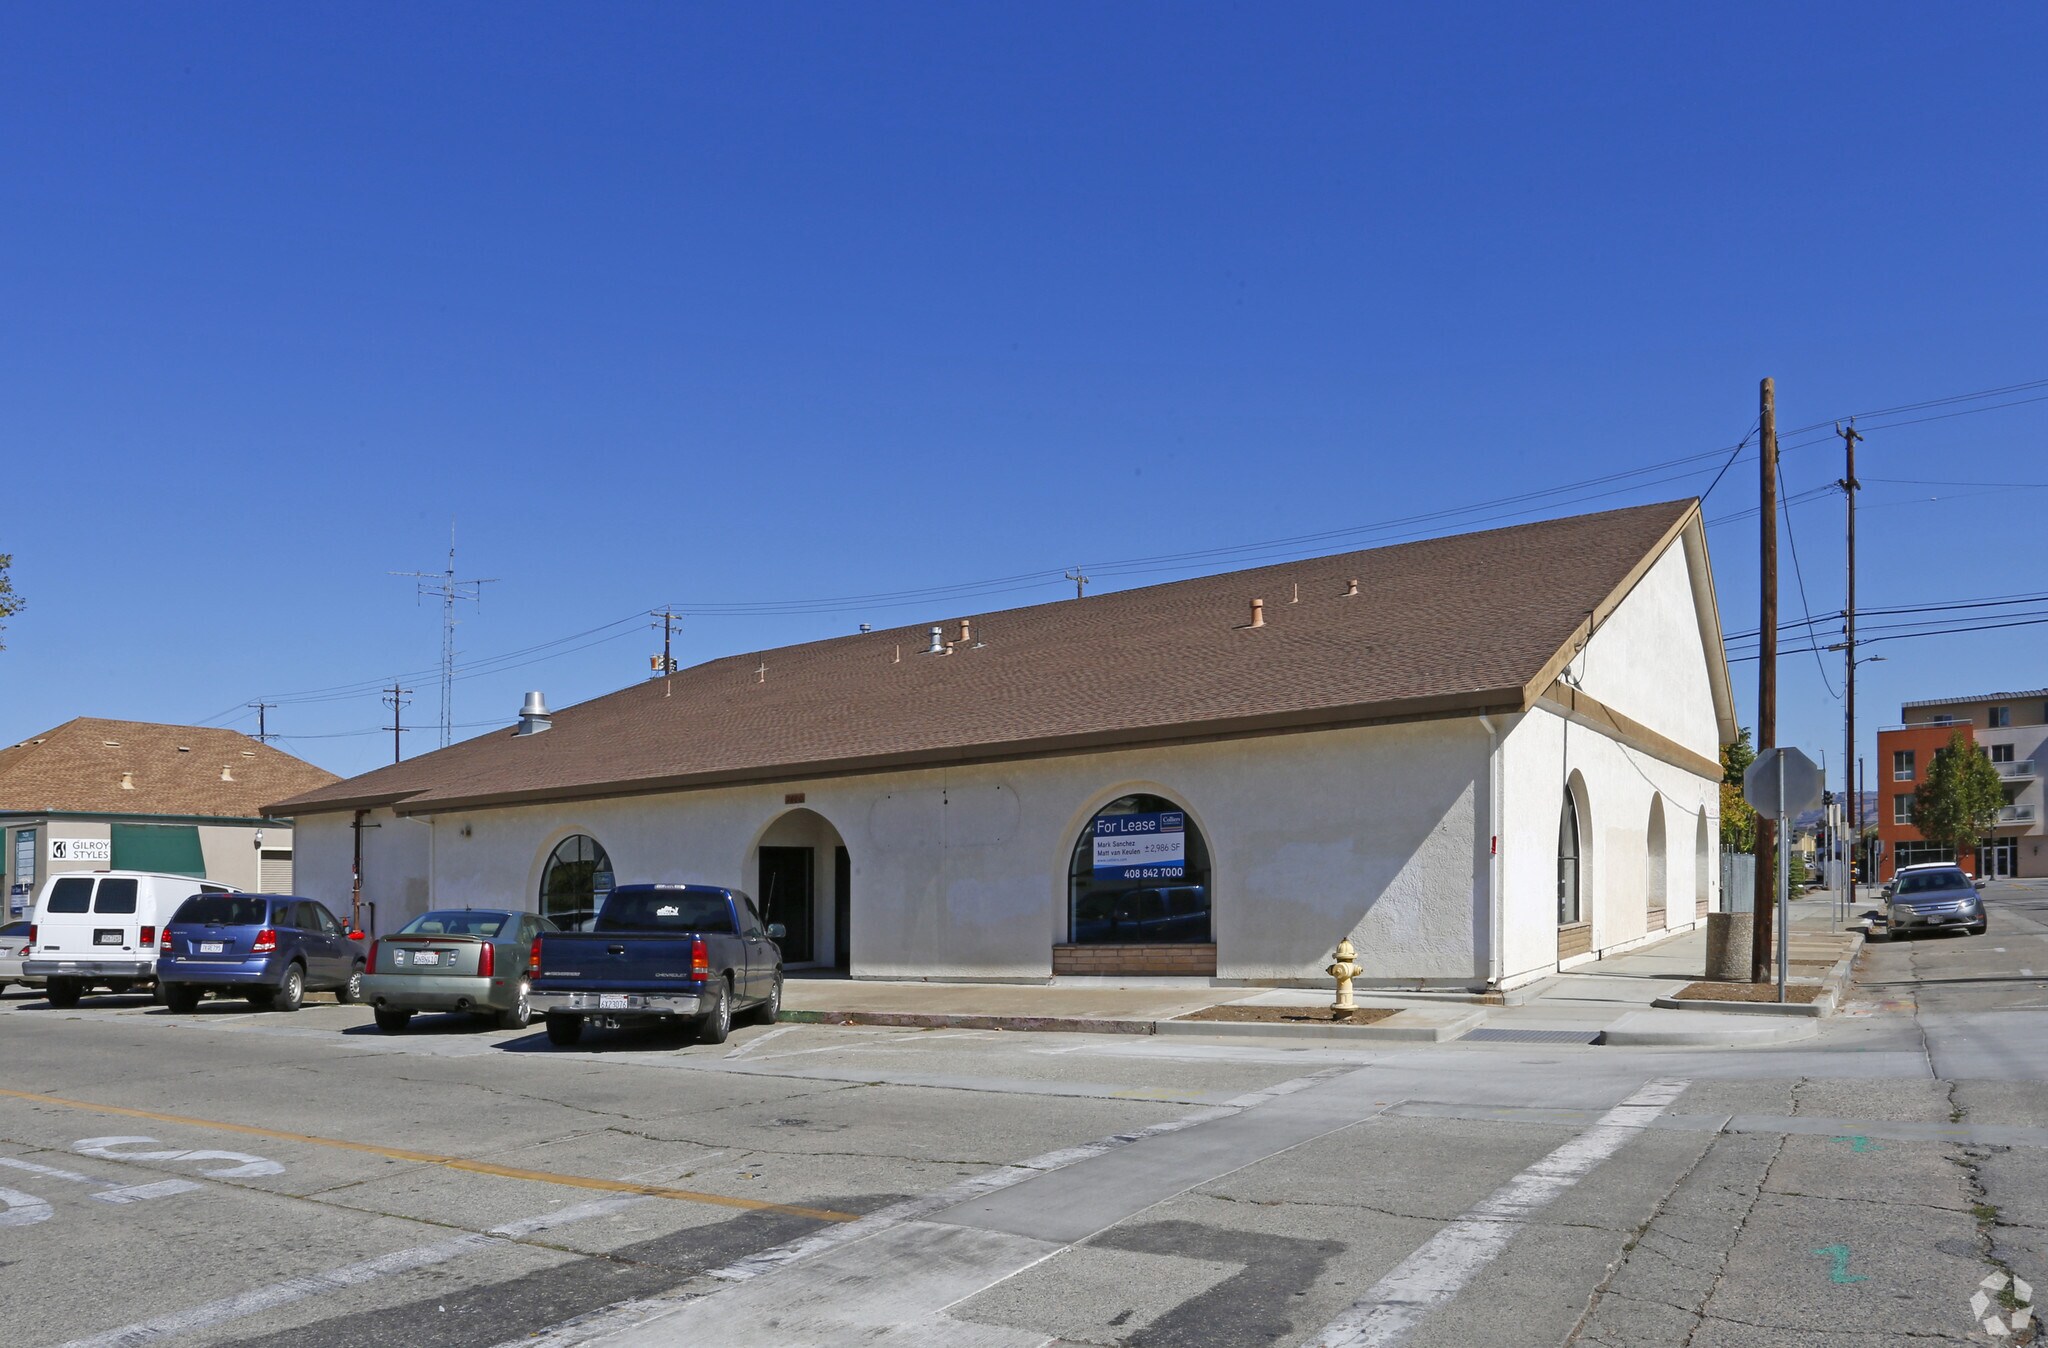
(171, 769)
(1466, 622)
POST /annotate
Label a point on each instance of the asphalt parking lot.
(238, 1177)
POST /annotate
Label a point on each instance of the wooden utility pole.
(1766, 683)
(1850, 435)
(395, 698)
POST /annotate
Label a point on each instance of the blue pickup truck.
(691, 955)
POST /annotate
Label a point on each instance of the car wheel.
(564, 1030)
(183, 1001)
(768, 1012)
(1981, 928)
(291, 992)
(521, 1013)
(393, 1021)
(62, 993)
(716, 1024)
(351, 992)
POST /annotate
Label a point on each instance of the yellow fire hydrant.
(1344, 970)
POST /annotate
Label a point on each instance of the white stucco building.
(1476, 756)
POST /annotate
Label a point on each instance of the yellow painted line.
(450, 1162)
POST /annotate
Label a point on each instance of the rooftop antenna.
(1080, 582)
(444, 586)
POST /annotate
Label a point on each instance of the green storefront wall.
(170, 848)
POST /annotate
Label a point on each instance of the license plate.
(607, 1002)
(106, 938)
(427, 957)
(212, 947)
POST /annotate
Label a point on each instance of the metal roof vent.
(127, 781)
(225, 775)
(1351, 590)
(1258, 613)
(534, 716)
(938, 646)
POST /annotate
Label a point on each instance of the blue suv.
(269, 948)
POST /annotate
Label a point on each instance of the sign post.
(1780, 784)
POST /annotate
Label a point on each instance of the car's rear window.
(228, 910)
(1926, 882)
(456, 923)
(14, 929)
(116, 896)
(664, 910)
(73, 894)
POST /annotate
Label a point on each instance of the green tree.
(1959, 799)
(1738, 820)
(10, 602)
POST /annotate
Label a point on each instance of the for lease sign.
(1141, 846)
(81, 849)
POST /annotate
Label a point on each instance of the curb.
(920, 1020)
(1429, 1025)
(1424, 1029)
(1768, 1030)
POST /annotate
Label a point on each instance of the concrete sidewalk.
(1612, 1000)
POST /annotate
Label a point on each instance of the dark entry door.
(842, 909)
(786, 898)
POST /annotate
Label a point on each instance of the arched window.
(1140, 873)
(578, 875)
(1568, 909)
(1655, 887)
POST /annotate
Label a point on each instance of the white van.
(99, 929)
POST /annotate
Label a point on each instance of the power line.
(1800, 575)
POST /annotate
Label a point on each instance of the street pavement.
(231, 1177)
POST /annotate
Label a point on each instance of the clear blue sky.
(718, 305)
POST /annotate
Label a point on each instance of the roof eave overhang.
(1496, 701)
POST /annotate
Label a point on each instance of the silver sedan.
(1940, 896)
(13, 950)
(455, 959)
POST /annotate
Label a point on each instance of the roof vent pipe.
(534, 716)
(1258, 613)
(938, 646)
(1351, 590)
(127, 781)
(225, 775)
(966, 631)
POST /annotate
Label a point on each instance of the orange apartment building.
(2011, 729)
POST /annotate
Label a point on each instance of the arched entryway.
(1656, 874)
(802, 877)
(1139, 892)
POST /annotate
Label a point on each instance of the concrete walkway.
(1613, 997)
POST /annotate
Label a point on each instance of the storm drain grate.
(1536, 1036)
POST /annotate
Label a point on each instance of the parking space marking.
(20, 1209)
(136, 1193)
(1439, 1270)
(243, 1304)
(461, 1163)
(52, 1172)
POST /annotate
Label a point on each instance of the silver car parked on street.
(455, 959)
(13, 950)
(1934, 896)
